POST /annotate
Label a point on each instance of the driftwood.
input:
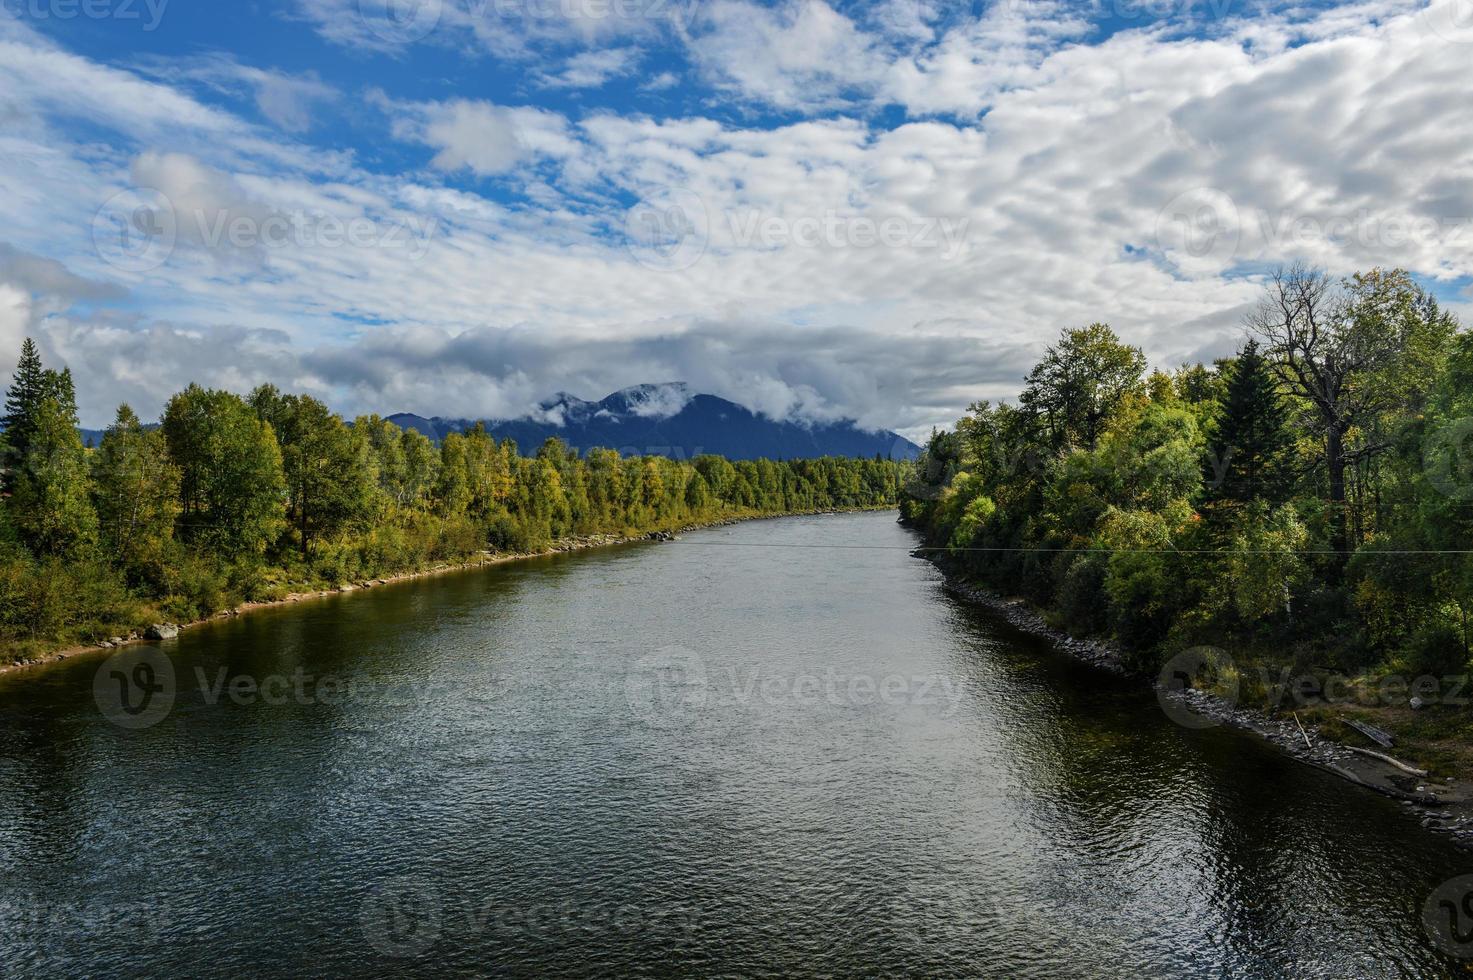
(1371, 732)
(1386, 758)
(1302, 731)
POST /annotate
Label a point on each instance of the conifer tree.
(22, 398)
(1249, 453)
(50, 498)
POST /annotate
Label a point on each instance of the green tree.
(1250, 451)
(231, 486)
(135, 490)
(52, 510)
(1341, 347)
(328, 467)
(22, 398)
(1080, 384)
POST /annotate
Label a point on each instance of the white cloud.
(591, 69)
(287, 101)
(482, 137)
(664, 80)
(803, 53)
(1340, 140)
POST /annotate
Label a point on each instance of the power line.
(1078, 551)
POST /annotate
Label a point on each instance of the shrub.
(198, 584)
(506, 533)
(973, 518)
(1082, 600)
(1437, 649)
(457, 537)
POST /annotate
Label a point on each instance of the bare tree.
(1328, 341)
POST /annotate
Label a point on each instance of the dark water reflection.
(733, 754)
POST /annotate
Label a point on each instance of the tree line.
(1310, 498)
(232, 499)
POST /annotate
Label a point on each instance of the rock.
(161, 631)
(1417, 704)
(116, 641)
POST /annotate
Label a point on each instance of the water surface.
(747, 751)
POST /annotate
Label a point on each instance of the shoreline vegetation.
(484, 560)
(1444, 803)
(234, 501)
(1283, 538)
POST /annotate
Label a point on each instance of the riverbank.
(481, 561)
(1444, 802)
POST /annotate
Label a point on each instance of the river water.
(776, 747)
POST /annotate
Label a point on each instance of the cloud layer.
(880, 212)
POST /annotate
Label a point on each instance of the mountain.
(670, 420)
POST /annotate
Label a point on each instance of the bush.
(1326, 614)
(335, 564)
(969, 526)
(506, 533)
(386, 549)
(64, 601)
(198, 585)
(455, 537)
(1082, 600)
(1437, 649)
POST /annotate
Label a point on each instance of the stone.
(161, 631)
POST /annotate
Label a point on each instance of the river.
(774, 747)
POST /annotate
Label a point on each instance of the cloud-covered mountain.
(671, 420)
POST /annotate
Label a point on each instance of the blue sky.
(879, 210)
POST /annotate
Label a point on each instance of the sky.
(878, 210)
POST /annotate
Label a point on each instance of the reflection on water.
(675, 758)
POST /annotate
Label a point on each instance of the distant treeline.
(232, 499)
(1310, 498)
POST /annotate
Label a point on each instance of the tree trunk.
(1335, 457)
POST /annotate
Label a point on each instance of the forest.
(1304, 505)
(231, 499)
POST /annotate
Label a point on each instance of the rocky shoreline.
(1445, 805)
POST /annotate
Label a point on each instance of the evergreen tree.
(1250, 450)
(50, 498)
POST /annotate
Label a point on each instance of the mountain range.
(670, 420)
(663, 420)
